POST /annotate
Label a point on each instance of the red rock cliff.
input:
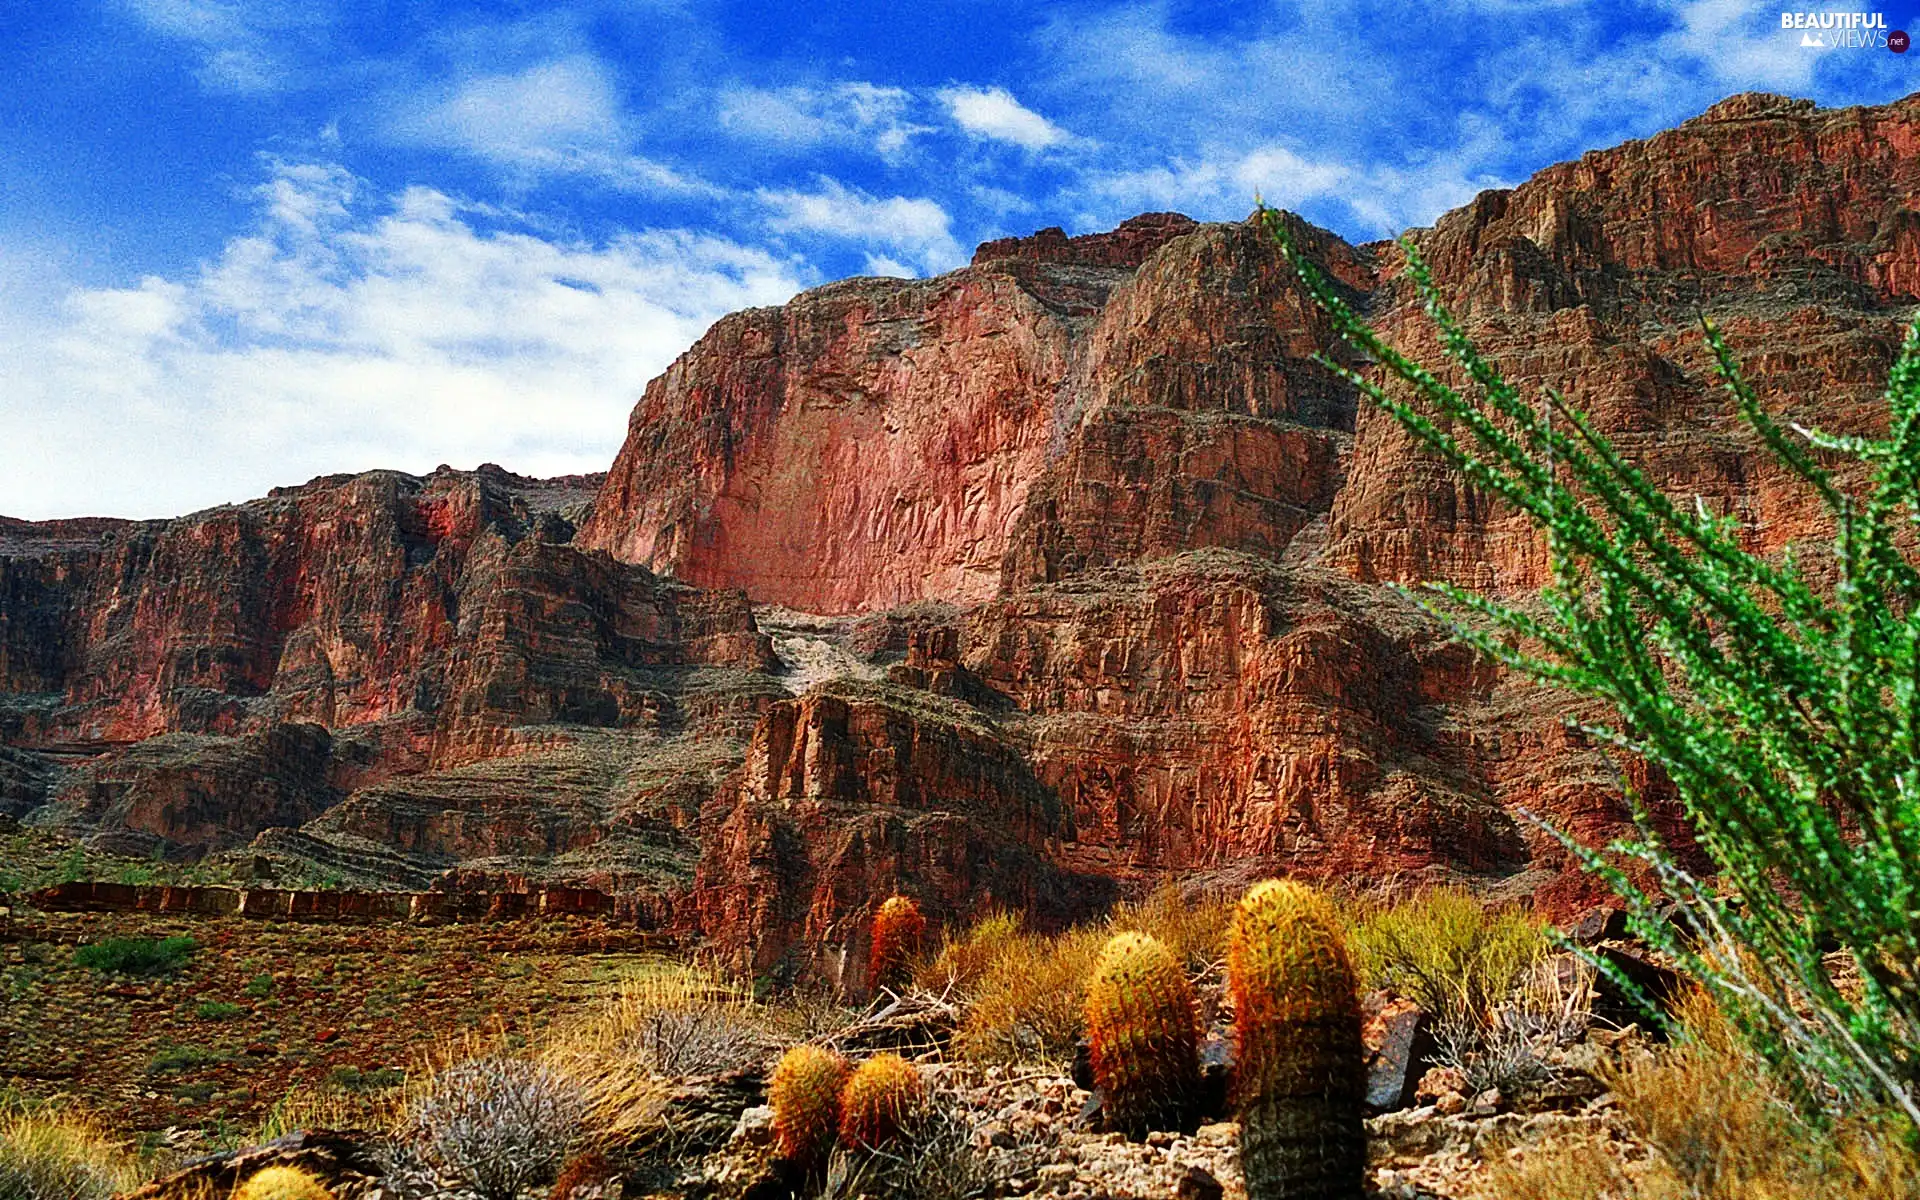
(255, 666)
(1794, 227)
(1129, 532)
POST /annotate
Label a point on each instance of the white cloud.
(994, 113)
(880, 264)
(919, 229)
(562, 104)
(1133, 70)
(1478, 93)
(562, 116)
(346, 332)
(848, 113)
(1384, 199)
(241, 46)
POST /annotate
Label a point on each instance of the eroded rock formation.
(1076, 557)
(381, 651)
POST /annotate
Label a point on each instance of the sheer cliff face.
(1793, 227)
(185, 685)
(348, 602)
(1131, 536)
(866, 445)
(1061, 403)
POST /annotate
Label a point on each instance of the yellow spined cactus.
(805, 1095)
(898, 927)
(282, 1183)
(1142, 1031)
(1301, 1072)
(880, 1103)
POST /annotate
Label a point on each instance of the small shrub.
(676, 1021)
(218, 1010)
(259, 987)
(173, 1059)
(46, 1157)
(1548, 1007)
(137, 956)
(499, 1124)
(1028, 1005)
(1456, 958)
(965, 961)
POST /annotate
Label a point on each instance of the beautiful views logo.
(1844, 31)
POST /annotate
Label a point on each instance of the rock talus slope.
(1078, 557)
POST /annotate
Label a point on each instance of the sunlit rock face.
(1054, 575)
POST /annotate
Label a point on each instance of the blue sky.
(246, 242)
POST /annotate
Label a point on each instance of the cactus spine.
(282, 1183)
(805, 1095)
(897, 929)
(880, 1102)
(1142, 1031)
(1297, 1032)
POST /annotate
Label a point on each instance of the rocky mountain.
(1051, 576)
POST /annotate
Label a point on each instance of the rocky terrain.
(1018, 586)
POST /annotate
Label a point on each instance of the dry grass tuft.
(1025, 993)
(306, 1107)
(1717, 1129)
(1028, 1005)
(1195, 930)
(966, 960)
(1483, 973)
(1447, 951)
(806, 1014)
(48, 1156)
(681, 1020)
(1571, 1170)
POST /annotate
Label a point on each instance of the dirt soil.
(199, 1057)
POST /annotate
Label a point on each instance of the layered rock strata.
(1072, 567)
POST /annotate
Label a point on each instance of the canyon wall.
(1046, 578)
(416, 660)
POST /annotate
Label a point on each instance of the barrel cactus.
(1297, 1031)
(880, 1102)
(897, 930)
(805, 1095)
(1142, 1036)
(282, 1183)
